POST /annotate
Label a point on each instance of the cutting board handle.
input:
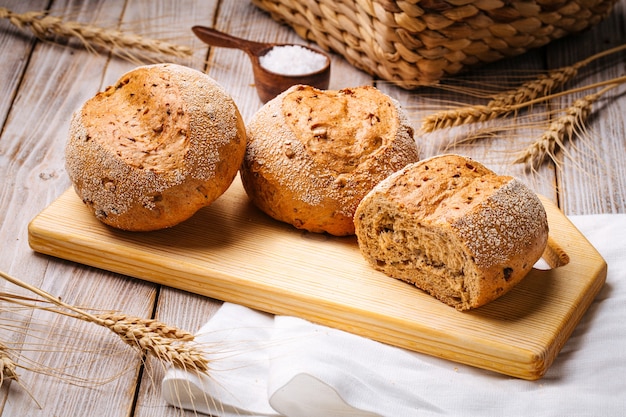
(554, 254)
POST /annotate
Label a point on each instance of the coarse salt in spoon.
(276, 66)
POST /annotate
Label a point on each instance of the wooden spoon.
(268, 83)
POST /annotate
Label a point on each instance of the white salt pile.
(292, 60)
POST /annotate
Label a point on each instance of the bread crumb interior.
(424, 256)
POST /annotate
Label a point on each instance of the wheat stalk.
(561, 130)
(558, 132)
(510, 101)
(155, 338)
(45, 26)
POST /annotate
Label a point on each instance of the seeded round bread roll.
(454, 229)
(151, 150)
(312, 155)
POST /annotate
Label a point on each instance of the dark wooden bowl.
(270, 84)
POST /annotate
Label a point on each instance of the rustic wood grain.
(58, 77)
(43, 82)
(593, 163)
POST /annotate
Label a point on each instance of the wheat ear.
(7, 365)
(461, 116)
(540, 87)
(164, 348)
(8, 371)
(149, 325)
(44, 26)
(144, 335)
(547, 83)
(561, 130)
(510, 101)
(481, 113)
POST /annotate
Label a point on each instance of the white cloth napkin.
(263, 365)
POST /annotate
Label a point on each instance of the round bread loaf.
(151, 150)
(312, 155)
(453, 228)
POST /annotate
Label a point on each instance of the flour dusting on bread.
(151, 150)
(312, 155)
(453, 228)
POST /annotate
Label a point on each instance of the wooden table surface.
(68, 368)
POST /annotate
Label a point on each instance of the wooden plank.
(233, 252)
(593, 160)
(58, 77)
(15, 48)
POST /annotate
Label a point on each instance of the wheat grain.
(150, 325)
(45, 26)
(180, 355)
(461, 116)
(560, 131)
(156, 338)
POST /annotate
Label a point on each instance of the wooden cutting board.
(232, 252)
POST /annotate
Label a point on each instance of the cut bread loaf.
(454, 229)
(151, 150)
(312, 155)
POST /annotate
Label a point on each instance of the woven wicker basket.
(418, 42)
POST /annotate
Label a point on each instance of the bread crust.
(453, 228)
(312, 155)
(151, 150)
